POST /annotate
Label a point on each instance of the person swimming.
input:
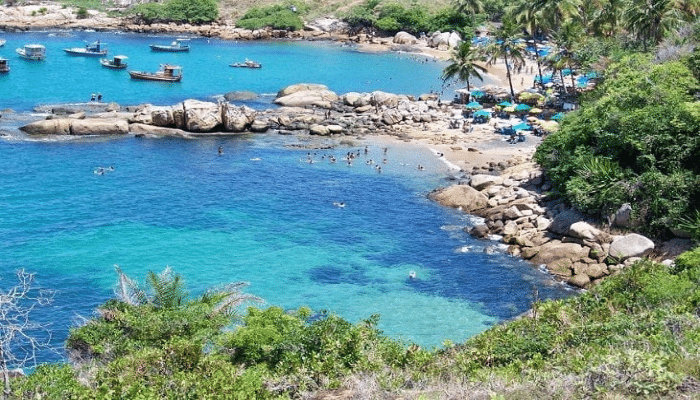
(412, 275)
(339, 204)
(221, 150)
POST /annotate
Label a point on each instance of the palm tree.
(469, 6)
(608, 17)
(564, 56)
(534, 23)
(167, 291)
(558, 12)
(652, 19)
(508, 45)
(463, 64)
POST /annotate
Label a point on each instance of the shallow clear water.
(258, 213)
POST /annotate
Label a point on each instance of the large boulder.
(556, 253)
(632, 245)
(355, 99)
(310, 97)
(444, 40)
(236, 119)
(138, 130)
(58, 126)
(460, 196)
(563, 221)
(482, 181)
(99, 126)
(300, 87)
(585, 231)
(392, 116)
(201, 116)
(379, 98)
(405, 38)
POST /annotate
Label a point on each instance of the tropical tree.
(469, 6)
(558, 12)
(535, 23)
(463, 64)
(563, 56)
(608, 17)
(507, 44)
(650, 20)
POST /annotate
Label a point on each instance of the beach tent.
(473, 106)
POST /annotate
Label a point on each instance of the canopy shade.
(558, 116)
(473, 106)
(482, 113)
(505, 104)
(522, 107)
(522, 127)
(477, 93)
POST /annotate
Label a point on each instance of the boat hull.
(85, 53)
(169, 49)
(149, 76)
(29, 57)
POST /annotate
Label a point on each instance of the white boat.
(95, 49)
(117, 62)
(247, 64)
(32, 52)
(2, 42)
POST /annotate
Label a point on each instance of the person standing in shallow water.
(221, 150)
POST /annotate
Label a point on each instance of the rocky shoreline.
(510, 193)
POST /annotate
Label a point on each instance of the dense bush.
(285, 16)
(191, 11)
(636, 142)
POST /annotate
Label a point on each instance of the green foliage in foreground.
(636, 142)
(635, 335)
(191, 11)
(280, 16)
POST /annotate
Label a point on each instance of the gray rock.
(580, 280)
(583, 230)
(318, 129)
(563, 221)
(460, 196)
(201, 116)
(622, 216)
(99, 126)
(405, 38)
(482, 181)
(632, 245)
(59, 126)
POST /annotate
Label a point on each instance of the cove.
(259, 213)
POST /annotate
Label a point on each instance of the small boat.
(117, 62)
(2, 42)
(167, 73)
(3, 65)
(32, 52)
(95, 49)
(178, 45)
(247, 64)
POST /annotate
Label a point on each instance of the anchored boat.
(167, 73)
(178, 45)
(117, 62)
(3, 65)
(247, 64)
(95, 49)
(32, 52)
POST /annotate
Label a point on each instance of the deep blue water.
(259, 213)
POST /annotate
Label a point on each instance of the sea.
(270, 210)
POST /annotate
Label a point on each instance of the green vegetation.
(394, 17)
(635, 335)
(285, 16)
(634, 142)
(190, 11)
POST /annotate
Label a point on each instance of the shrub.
(286, 16)
(82, 13)
(192, 11)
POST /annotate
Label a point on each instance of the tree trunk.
(539, 65)
(563, 82)
(573, 81)
(510, 81)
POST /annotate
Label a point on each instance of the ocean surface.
(260, 212)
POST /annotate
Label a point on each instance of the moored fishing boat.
(178, 45)
(247, 64)
(3, 65)
(167, 73)
(95, 49)
(32, 52)
(117, 62)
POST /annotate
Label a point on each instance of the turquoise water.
(258, 213)
(206, 71)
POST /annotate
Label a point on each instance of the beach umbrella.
(473, 106)
(522, 127)
(477, 93)
(522, 108)
(557, 116)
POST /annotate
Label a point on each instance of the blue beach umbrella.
(473, 106)
(477, 93)
(522, 107)
(557, 116)
(522, 127)
(482, 113)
